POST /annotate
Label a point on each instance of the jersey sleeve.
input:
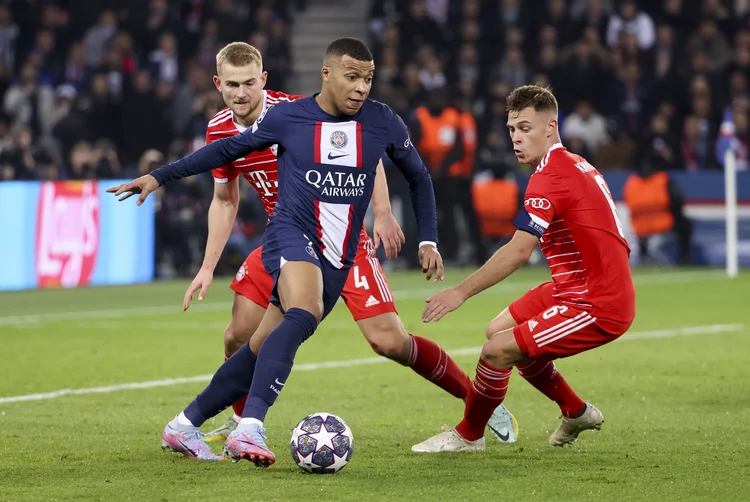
(223, 174)
(268, 130)
(405, 157)
(545, 200)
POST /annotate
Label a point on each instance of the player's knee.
(491, 330)
(316, 309)
(494, 328)
(500, 323)
(387, 337)
(311, 305)
(391, 344)
(498, 354)
(233, 339)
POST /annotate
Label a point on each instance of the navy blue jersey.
(326, 169)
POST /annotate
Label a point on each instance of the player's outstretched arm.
(385, 227)
(504, 262)
(211, 156)
(217, 154)
(221, 216)
(405, 157)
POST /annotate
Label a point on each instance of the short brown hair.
(238, 54)
(535, 96)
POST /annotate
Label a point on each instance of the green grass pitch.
(675, 392)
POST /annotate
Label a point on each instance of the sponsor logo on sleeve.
(538, 203)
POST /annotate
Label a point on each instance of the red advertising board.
(67, 233)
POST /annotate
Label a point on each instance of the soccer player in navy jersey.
(329, 146)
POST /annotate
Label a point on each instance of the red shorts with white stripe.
(366, 293)
(547, 329)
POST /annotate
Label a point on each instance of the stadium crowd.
(110, 89)
(113, 88)
(667, 78)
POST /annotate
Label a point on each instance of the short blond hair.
(238, 54)
(534, 96)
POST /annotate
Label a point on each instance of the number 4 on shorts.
(360, 281)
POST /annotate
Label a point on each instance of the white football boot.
(570, 428)
(503, 425)
(449, 440)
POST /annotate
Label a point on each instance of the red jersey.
(571, 210)
(258, 168)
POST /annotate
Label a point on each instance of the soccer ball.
(322, 443)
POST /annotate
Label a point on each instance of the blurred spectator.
(96, 38)
(711, 42)
(631, 20)
(512, 68)
(587, 126)
(446, 139)
(164, 62)
(696, 149)
(418, 28)
(632, 97)
(656, 207)
(735, 135)
(277, 58)
(28, 102)
(662, 146)
(9, 32)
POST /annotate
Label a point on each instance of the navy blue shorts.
(284, 243)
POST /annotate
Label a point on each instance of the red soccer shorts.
(549, 330)
(366, 294)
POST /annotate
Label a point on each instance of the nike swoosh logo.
(279, 383)
(334, 157)
(186, 448)
(503, 437)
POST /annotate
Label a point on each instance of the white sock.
(236, 417)
(251, 421)
(183, 420)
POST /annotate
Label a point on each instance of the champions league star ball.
(322, 444)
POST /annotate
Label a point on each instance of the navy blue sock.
(275, 361)
(231, 382)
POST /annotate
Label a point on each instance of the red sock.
(486, 393)
(433, 363)
(239, 406)
(544, 376)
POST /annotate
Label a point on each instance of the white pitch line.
(168, 382)
(174, 308)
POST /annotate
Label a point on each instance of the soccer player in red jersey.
(590, 301)
(241, 79)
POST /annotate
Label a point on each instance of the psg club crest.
(339, 139)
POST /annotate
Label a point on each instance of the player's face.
(350, 81)
(533, 133)
(242, 88)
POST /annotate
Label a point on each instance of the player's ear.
(552, 126)
(263, 78)
(217, 82)
(325, 72)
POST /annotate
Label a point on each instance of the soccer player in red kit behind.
(590, 301)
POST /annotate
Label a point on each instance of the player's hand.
(202, 282)
(387, 230)
(143, 185)
(431, 262)
(441, 303)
